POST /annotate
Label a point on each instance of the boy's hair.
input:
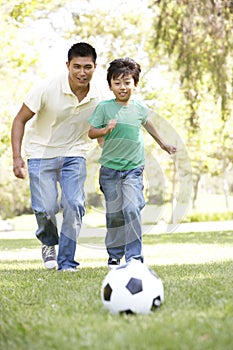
(124, 67)
(82, 50)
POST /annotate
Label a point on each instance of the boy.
(116, 123)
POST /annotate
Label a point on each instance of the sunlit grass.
(43, 309)
(217, 237)
(50, 310)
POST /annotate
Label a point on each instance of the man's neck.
(80, 92)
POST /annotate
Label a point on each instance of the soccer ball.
(132, 288)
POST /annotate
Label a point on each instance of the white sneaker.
(49, 257)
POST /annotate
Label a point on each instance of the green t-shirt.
(123, 148)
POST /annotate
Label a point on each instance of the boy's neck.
(124, 103)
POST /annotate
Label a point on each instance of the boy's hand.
(169, 148)
(111, 125)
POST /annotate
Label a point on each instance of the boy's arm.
(151, 129)
(95, 133)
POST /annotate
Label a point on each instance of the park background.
(185, 51)
(185, 48)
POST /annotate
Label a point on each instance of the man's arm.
(17, 132)
(151, 129)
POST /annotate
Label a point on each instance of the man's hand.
(19, 168)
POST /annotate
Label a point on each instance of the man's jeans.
(45, 174)
(123, 191)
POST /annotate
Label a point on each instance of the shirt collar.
(92, 93)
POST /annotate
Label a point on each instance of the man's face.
(81, 70)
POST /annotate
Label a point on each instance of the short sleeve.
(144, 113)
(145, 116)
(97, 117)
(33, 100)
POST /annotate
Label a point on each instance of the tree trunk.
(195, 189)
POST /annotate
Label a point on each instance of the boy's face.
(123, 87)
(80, 70)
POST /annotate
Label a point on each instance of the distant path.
(210, 226)
(94, 255)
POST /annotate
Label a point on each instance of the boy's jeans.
(123, 191)
(44, 175)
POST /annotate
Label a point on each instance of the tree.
(18, 60)
(185, 43)
(196, 35)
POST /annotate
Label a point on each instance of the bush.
(216, 216)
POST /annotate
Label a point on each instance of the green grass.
(218, 238)
(51, 310)
(18, 244)
(42, 309)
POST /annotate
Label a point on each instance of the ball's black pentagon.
(156, 303)
(107, 292)
(134, 285)
(127, 312)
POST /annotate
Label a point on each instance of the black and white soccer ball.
(132, 288)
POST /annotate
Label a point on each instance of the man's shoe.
(113, 263)
(49, 257)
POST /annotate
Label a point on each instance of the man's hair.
(124, 67)
(82, 50)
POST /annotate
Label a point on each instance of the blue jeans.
(45, 174)
(123, 191)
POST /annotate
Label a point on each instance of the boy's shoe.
(113, 263)
(49, 256)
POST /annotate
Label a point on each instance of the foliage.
(185, 50)
(196, 36)
(19, 56)
(116, 31)
(215, 216)
(15, 199)
(199, 35)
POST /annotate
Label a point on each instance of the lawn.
(50, 310)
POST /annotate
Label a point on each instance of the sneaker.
(113, 263)
(49, 256)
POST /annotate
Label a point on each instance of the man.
(56, 145)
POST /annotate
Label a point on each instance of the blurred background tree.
(185, 50)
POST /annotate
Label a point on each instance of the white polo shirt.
(59, 127)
